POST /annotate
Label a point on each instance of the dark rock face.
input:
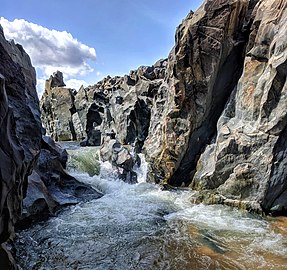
(51, 187)
(30, 166)
(20, 136)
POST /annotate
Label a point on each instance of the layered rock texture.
(20, 136)
(213, 115)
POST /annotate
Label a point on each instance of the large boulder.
(20, 132)
(51, 187)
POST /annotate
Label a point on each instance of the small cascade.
(141, 226)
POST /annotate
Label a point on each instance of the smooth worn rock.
(51, 187)
(20, 132)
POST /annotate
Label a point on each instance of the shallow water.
(143, 227)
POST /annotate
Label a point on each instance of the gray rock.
(121, 158)
(246, 165)
(59, 114)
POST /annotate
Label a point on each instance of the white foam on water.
(142, 226)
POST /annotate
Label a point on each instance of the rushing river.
(144, 227)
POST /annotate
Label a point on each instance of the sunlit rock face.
(247, 161)
(59, 115)
(203, 69)
(118, 106)
(20, 132)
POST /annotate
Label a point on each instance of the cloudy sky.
(90, 39)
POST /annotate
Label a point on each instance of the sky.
(90, 39)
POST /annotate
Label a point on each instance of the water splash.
(144, 227)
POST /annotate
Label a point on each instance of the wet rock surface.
(31, 166)
(122, 158)
(50, 187)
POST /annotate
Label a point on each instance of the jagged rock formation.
(203, 69)
(213, 116)
(118, 106)
(20, 136)
(246, 163)
(121, 158)
(58, 110)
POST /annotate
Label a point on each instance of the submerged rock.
(121, 158)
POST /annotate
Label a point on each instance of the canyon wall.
(20, 129)
(213, 115)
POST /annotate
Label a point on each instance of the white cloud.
(76, 84)
(50, 50)
(40, 86)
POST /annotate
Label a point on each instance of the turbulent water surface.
(143, 227)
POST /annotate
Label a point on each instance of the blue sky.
(91, 38)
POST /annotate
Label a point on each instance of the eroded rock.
(246, 164)
(20, 131)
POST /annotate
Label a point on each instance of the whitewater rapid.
(142, 226)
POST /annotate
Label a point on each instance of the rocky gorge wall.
(213, 115)
(20, 136)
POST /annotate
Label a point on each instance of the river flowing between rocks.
(142, 226)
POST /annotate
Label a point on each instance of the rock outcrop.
(31, 166)
(203, 69)
(20, 129)
(122, 158)
(118, 106)
(58, 110)
(50, 187)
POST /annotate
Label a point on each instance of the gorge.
(209, 123)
